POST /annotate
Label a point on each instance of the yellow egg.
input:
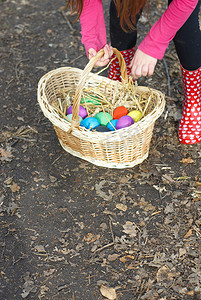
(135, 114)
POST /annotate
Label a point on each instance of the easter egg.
(102, 129)
(69, 118)
(135, 114)
(90, 123)
(90, 99)
(124, 121)
(82, 111)
(112, 125)
(103, 118)
(119, 112)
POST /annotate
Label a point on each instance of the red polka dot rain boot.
(114, 69)
(190, 123)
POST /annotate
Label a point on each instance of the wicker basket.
(122, 148)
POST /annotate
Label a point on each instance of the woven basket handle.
(86, 71)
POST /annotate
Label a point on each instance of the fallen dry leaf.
(40, 249)
(188, 160)
(48, 272)
(182, 251)
(112, 257)
(130, 229)
(189, 233)
(190, 293)
(165, 274)
(5, 154)
(121, 206)
(108, 292)
(126, 258)
(90, 237)
(14, 187)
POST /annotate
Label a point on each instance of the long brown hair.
(126, 10)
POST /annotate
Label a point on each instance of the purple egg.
(124, 121)
(82, 111)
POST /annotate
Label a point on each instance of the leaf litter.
(135, 232)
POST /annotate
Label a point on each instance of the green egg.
(103, 118)
(91, 99)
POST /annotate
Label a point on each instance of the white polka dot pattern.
(114, 69)
(190, 123)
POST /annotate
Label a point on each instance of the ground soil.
(69, 227)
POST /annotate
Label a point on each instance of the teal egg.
(90, 123)
(69, 118)
(103, 118)
(112, 125)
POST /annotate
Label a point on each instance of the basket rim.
(61, 123)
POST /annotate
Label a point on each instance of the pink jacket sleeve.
(164, 30)
(92, 23)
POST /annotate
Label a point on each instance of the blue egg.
(69, 118)
(112, 125)
(90, 123)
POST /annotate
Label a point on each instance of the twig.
(67, 21)
(169, 291)
(14, 142)
(70, 214)
(33, 129)
(104, 247)
(25, 139)
(194, 228)
(110, 224)
(168, 76)
(72, 61)
(56, 159)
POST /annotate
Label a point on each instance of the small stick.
(56, 159)
(104, 247)
(196, 230)
(110, 224)
(66, 19)
(72, 61)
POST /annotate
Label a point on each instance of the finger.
(151, 70)
(137, 72)
(144, 70)
(111, 51)
(102, 63)
(106, 52)
(91, 52)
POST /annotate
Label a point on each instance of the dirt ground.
(68, 227)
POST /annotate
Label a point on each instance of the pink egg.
(82, 111)
(124, 121)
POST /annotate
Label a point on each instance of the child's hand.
(104, 60)
(142, 64)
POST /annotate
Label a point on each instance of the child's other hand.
(104, 60)
(142, 64)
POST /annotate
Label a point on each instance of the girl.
(180, 23)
